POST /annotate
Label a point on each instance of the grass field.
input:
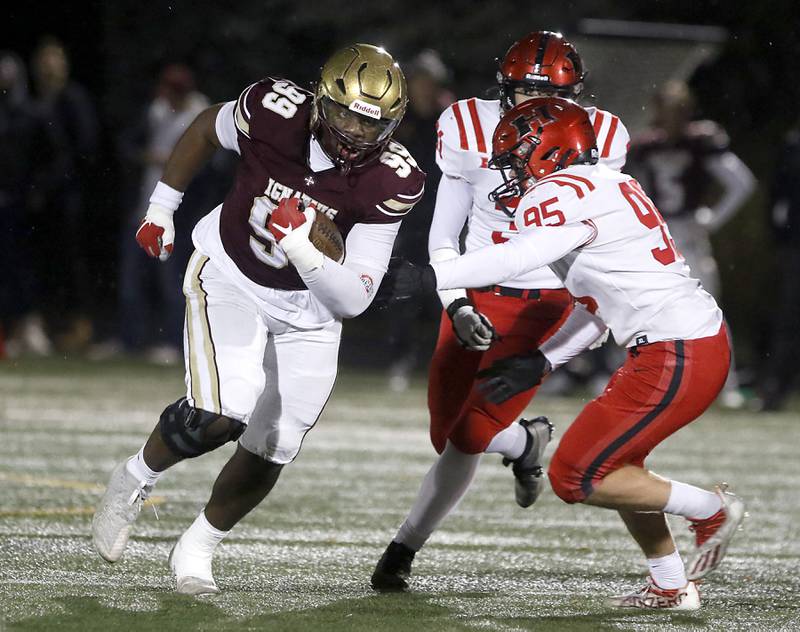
(302, 560)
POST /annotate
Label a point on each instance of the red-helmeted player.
(483, 324)
(264, 307)
(600, 233)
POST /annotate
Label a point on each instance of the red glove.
(156, 234)
(286, 217)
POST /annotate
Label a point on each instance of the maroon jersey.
(673, 171)
(272, 119)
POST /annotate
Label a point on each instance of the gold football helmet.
(359, 102)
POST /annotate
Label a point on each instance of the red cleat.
(713, 535)
(653, 597)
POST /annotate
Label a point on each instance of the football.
(326, 237)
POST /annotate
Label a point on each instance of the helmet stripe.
(545, 39)
(476, 125)
(462, 130)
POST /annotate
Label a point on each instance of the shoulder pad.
(464, 133)
(566, 186)
(399, 182)
(268, 103)
(612, 138)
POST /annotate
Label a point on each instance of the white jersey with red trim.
(603, 237)
(630, 269)
(463, 151)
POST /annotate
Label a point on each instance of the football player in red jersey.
(263, 305)
(600, 233)
(480, 325)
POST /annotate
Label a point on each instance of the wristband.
(166, 197)
(457, 305)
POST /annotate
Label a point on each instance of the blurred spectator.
(696, 181)
(24, 150)
(782, 367)
(151, 302)
(428, 78)
(62, 233)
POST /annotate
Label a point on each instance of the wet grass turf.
(302, 560)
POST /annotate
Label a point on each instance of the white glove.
(472, 328)
(291, 223)
(156, 234)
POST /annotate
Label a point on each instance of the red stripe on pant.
(458, 410)
(661, 387)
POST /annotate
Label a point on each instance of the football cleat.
(116, 512)
(192, 570)
(653, 597)
(713, 535)
(527, 468)
(393, 569)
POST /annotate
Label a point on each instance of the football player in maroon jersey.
(263, 305)
(696, 181)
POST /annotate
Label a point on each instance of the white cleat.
(653, 597)
(192, 570)
(714, 534)
(116, 513)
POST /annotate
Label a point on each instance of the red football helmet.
(537, 138)
(542, 63)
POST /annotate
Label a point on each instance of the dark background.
(116, 48)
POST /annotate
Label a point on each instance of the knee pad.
(470, 438)
(190, 432)
(565, 480)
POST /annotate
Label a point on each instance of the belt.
(500, 290)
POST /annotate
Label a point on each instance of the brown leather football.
(326, 237)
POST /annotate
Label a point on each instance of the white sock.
(202, 538)
(509, 442)
(691, 502)
(140, 470)
(442, 488)
(668, 571)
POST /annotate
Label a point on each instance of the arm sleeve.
(737, 182)
(617, 151)
(523, 253)
(453, 203)
(348, 289)
(579, 332)
(225, 127)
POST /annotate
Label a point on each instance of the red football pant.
(661, 387)
(459, 411)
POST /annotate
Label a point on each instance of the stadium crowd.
(55, 300)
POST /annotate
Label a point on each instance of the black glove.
(405, 281)
(513, 375)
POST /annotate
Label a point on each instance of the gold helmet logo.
(359, 102)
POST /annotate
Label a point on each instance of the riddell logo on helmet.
(372, 111)
(533, 77)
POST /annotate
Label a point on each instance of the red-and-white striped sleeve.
(476, 125)
(400, 204)
(605, 133)
(581, 186)
(612, 129)
(462, 129)
(598, 123)
(593, 226)
(241, 114)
